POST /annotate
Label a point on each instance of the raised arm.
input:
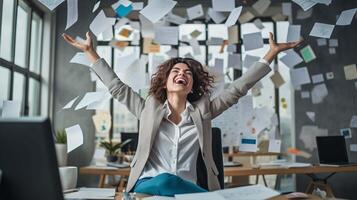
(240, 87)
(119, 90)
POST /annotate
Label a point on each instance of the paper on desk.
(277, 79)
(89, 97)
(249, 60)
(72, 12)
(157, 9)
(201, 195)
(70, 103)
(308, 134)
(11, 108)
(246, 17)
(319, 93)
(311, 115)
(223, 6)
(317, 78)
(101, 23)
(81, 58)
(293, 33)
(233, 16)
(166, 35)
(92, 193)
(74, 137)
(194, 12)
(253, 41)
(346, 17)
(274, 146)
(234, 61)
(307, 53)
(291, 58)
(305, 4)
(322, 30)
(299, 76)
(51, 4)
(251, 192)
(261, 6)
(216, 16)
(175, 19)
(350, 72)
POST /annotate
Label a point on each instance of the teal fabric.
(166, 184)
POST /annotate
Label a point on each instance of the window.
(20, 55)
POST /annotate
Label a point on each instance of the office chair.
(134, 141)
(218, 160)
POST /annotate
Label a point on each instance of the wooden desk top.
(241, 154)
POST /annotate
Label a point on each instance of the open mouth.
(180, 81)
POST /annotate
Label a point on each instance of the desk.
(242, 171)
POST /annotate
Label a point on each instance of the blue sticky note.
(123, 11)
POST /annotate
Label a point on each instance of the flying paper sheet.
(70, 103)
(249, 60)
(89, 97)
(307, 53)
(350, 72)
(291, 58)
(293, 33)
(305, 4)
(304, 14)
(279, 17)
(234, 61)
(147, 28)
(51, 4)
(353, 122)
(138, 5)
(308, 134)
(74, 137)
(175, 19)
(157, 9)
(322, 30)
(217, 17)
(166, 35)
(319, 93)
(277, 79)
(258, 23)
(346, 17)
(317, 78)
(321, 42)
(353, 147)
(96, 6)
(274, 146)
(223, 6)
(299, 76)
(305, 94)
(333, 42)
(286, 8)
(253, 41)
(194, 12)
(233, 16)
(81, 58)
(72, 12)
(11, 108)
(311, 115)
(232, 36)
(101, 23)
(101, 104)
(261, 6)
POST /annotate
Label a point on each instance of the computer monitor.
(28, 160)
(131, 146)
(332, 149)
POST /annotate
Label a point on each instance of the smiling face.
(180, 79)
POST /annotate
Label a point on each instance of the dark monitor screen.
(332, 149)
(28, 160)
(131, 146)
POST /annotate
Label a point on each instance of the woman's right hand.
(86, 46)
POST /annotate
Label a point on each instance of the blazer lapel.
(157, 118)
(196, 117)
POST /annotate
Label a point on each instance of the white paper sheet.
(74, 137)
(353, 147)
(100, 105)
(11, 108)
(317, 78)
(333, 42)
(223, 6)
(321, 42)
(305, 4)
(311, 115)
(51, 4)
(253, 41)
(147, 27)
(217, 17)
(252, 192)
(195, 12)
(293, 33)
(286, 8)
(201, 195)
(261, 6)
(92, 193)
(350, 72)
(246, 17)
(175, 19)
(88, 98)
(233, 16)
(70, 103)
(353, 122)
(138, 5)
(305, 94)
(291, 58)
(101, 23)
(72, 12)
(300, 76)
(274, 146)
(346, 17)
(166, 35)
(249, 60)
(308, 134)
(332, 50)
(157, 9)
(322, 30)
(96, 6)
(234, 61)
(319, 93)
(81, 58)
(258, 23)
(304, 14)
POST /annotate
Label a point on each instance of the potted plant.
(113, 149)
(61, 147)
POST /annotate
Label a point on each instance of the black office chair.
(218, 160)
(134, 141)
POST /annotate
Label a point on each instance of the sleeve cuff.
(262, 60)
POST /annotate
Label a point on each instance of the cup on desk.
(68, 177)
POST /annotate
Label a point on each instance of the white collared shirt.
(175, 148)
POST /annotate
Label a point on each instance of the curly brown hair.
(202, 80)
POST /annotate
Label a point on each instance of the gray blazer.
(150, 113)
